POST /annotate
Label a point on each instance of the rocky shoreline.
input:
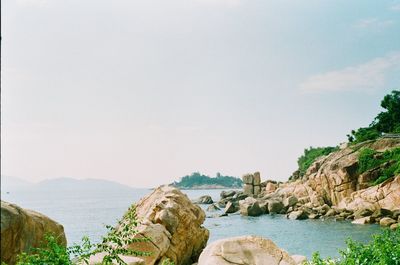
(332, 188)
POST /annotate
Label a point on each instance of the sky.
(144, 92)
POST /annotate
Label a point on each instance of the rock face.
(385, 195)
(244, 250)
(333, 178)
(252, 184)
(173, 224)
(332, 188)
(23, 229)
(250, 207)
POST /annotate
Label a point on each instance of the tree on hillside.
(387, 121)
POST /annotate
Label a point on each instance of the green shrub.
(384, 249)
(311, 154)
(369, 159)
(113, 244)
(49, 253)
(363, 134)
(387, 121)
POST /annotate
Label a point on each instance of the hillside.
(199, 181)
(341, 178)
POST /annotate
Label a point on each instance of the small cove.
(87, 213)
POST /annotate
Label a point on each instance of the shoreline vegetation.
(198, 181)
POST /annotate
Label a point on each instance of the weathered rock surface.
(206, 199)
(231, 208)
(244, 250)
(213, 208)
(174, 226)
(387, 222)
(333, 188)
(229, 193)
(275, 206)
(385, 195)
(363, 220)
(250, 207)
(298, 215)
(334, 179)
(22, 229)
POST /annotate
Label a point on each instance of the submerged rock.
(363, 220)
(206, 199)
(244, 250)
(298, 215)
(227, 193)
(231, 208)
(23, 229)
(213, 208)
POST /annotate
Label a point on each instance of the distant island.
(199, 181)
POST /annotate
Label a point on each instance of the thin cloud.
(367, 76)
(226, 3)
(30, 3)
(395, 7)
(373, 23)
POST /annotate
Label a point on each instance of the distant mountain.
(199, 181)
(14, 184)
(10, 184)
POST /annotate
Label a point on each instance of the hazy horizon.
(145, 92)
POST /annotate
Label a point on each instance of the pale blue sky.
(144, 92)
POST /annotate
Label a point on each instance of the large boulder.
(181, 220)
(387, 222)
(174, 226)
(231, 208)
(363, 220)
(250, 207)
(23, 229)
(298, 215)
(244, 250)
(227, 193)
(290, 201)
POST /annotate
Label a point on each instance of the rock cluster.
(383, 210)
(22, 230)
(331, 188)
(252, 184)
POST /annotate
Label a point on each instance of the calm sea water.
(87, 213)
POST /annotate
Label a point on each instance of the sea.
(87, 213)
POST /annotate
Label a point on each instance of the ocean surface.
(86, 213)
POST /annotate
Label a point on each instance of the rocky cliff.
(335, 178)
(332, 187)
(23, 229)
